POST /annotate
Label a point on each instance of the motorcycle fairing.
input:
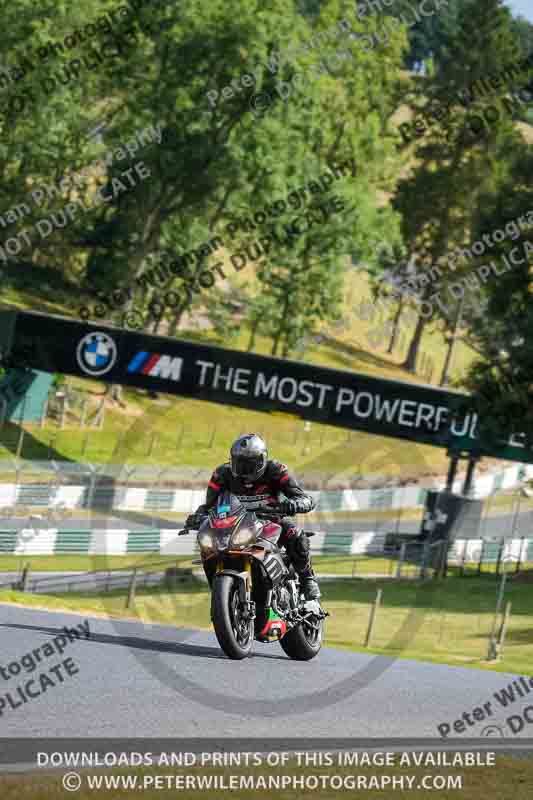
(270, 531)
(275, 628)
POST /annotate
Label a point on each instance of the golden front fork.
(248, 570)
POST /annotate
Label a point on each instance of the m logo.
(157, 366)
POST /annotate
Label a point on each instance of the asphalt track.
(156, 681)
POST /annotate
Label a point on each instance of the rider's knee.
(301, 545)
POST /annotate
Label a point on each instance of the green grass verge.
(85, 563)
(325, 564)
(446, 622)
(334, 564)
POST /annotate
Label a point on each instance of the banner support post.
(467, 486)
(452, 470)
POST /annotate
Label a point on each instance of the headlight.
(206, 541)
(243, 537)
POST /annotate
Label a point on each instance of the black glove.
(289, 507)
(194, 520)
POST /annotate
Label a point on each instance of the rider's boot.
(309, 584)
(297, 544)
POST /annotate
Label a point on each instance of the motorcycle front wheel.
(234, 633)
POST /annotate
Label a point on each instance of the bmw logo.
(96, 353)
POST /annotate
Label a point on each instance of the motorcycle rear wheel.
(235, 635)
(301, 644)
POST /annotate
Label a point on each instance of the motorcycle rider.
(251, 475)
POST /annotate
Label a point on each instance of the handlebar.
(269, 511)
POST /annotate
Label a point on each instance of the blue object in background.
(23, 395)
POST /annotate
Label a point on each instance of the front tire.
(235, 635)
(302, 645)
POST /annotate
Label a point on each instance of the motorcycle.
(255, 591)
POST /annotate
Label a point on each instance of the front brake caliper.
(248, 608)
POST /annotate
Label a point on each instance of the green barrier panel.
(143, 541)
(72, 541)
(8, 540)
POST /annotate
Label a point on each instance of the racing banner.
(346, 399)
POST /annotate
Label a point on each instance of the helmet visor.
(247, 467)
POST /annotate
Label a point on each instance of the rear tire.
(229, 631)
(298, 646)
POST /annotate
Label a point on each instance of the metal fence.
(101, 581)
(49, 506)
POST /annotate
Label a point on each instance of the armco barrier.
(167, 542)
(164, 541)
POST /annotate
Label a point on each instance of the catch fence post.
(481, 557)
(424, 564)
(500, 554)
(20, 443)
(45, 411)
(401, 559)
(372, 618)
(83, 415)
(131, 590)
(24, 579)
(64, 404)
(520, 554)
(503, 629)
(463, 560)
(51, 445)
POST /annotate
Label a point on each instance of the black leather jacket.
(275, 481)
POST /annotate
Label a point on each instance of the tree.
(453, 167)
(501, 380)
(429, 36)
(523, 30)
